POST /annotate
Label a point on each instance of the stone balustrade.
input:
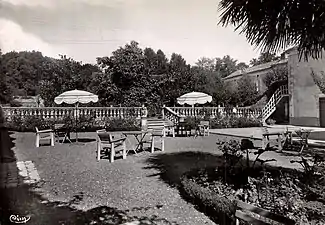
(62, 112)
(217, 111)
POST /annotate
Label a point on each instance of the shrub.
(84, 123)
(121, 124)
(219, 208)
(191, 122)
(234, 122)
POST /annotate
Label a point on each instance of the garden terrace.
(75, 188)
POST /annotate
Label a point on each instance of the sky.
(86, 29)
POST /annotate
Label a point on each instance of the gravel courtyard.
(77, 189)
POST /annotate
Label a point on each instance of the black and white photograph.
(162, 112)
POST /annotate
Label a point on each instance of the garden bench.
(106, 141)
(44, 135)
(241, 215)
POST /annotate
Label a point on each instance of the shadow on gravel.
(24, 201)
(172, 166)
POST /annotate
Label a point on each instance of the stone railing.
(171, 115)
(62, 112)
(217, 111)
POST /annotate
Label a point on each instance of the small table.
(139, 136)
(61, 130)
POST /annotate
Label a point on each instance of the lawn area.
(76, 189)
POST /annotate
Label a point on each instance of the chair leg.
(153, 144)
(98, 150)
(173, 130)
(37, 140)
(124, 150)
(112, 152)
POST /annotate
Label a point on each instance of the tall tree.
(278, 24)
(264, 57)
(162, 62)
(206, 63)
(126, 68)
(5, 91)
(226, 65)
(246, 91)
(150, 61)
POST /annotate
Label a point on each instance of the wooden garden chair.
(107, 142)
(156, 134)
(44, 135)
(204, 128)
(302, 139)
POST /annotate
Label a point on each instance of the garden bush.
(219, 208)
(120, 124)
(83, 124)
(298, 195)
(234, 122)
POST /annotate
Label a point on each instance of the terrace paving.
(72, 186)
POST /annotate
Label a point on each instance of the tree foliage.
(131, 76)
(264, 57)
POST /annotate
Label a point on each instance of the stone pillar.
(163, 112)
(144, 114)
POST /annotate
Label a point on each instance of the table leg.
(280, 143)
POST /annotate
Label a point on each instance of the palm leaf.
(275, 25)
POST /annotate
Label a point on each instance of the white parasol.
(193, 98)
(76, 97)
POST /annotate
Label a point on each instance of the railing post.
(163, 112)
(144, 114)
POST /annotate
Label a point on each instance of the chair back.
(58, 125)
(37, 130)
(103, 135)
(156, 126)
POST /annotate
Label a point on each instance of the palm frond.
(277, 24)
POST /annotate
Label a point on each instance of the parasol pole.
(76, 120)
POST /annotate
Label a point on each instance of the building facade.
(303, 104)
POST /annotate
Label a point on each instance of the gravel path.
(68, 170)
(141, 186)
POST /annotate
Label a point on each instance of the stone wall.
(304, 93)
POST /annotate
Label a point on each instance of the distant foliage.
(131, 76)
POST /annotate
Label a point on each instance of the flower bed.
(285, 192)
(298, 195)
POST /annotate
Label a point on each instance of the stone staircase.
(270, 107)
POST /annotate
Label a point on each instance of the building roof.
(256, 68)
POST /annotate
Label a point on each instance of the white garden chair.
(44, 135)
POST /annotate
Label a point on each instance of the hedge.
(220, 209)
(84, 123)
(225, 122)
